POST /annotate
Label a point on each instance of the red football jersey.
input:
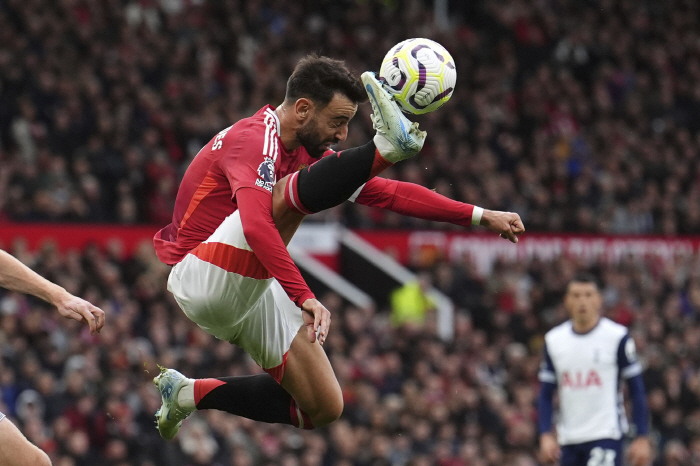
(247, 154)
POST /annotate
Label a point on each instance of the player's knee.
(329, 413)
(37, 457)
(44, 459)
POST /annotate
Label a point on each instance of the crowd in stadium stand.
(410, 398)
(581, 116)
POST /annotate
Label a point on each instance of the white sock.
(387, 149)
(185, 397)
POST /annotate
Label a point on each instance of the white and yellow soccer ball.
(420, 73)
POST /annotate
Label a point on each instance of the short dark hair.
(319, 78)
(584, 277)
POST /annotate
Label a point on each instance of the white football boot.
(397, 137)
(170, 415)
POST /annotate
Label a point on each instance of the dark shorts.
(606, 452)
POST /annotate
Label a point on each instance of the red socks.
(257, 397)
(380, 164)
(203, 386)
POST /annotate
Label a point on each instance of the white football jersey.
(587, 370)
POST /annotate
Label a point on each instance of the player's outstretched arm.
(16, 276)
(417, 201)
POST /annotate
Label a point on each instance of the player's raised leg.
(310, 380)
(335, 178)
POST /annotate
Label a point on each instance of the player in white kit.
(585, 359)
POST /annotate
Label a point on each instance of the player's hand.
(72, 307)
(506, 224)
(549, 448)
(639, 452)
(317, 319)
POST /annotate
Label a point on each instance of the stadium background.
(582, 116)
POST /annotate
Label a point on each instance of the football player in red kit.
(232, 273)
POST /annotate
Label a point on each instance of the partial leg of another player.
(16, 450)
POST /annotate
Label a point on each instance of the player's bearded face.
(313, 141)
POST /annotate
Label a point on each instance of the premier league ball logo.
(266, 172)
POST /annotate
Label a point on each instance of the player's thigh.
(310, 379)
(16, 450)
(273, 334)
(214, 298)
(267, 330)
(219, 281)
(286, 220)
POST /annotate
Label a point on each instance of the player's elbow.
(43, 460)
(35, 457)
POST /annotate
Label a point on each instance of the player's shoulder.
(263, 123)
(257, 125)
(558, 335)
(612, 328)
(255, 134)
(562, 330)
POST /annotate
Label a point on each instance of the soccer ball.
(420, 74)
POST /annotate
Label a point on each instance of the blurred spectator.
(410, 303)
(409, 397)
(579, 116)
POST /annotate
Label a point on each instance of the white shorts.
(222, 287)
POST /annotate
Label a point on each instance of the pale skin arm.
(549, 448)
(16, 276)
(640, 451)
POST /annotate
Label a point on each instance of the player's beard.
(309, 137)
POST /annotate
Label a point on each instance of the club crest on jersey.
(266, 173)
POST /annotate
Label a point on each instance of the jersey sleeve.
(249, 156)
(413, 200)
(545, 405)
(265, 241)
(248, 162)
(627, 361)
(547, 373)
(631, 370)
